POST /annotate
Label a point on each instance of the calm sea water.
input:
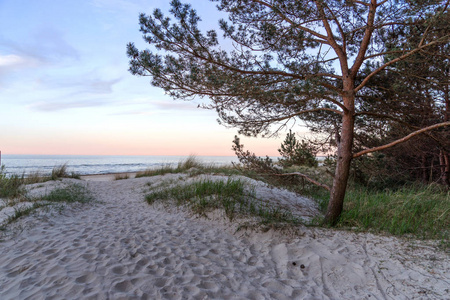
(89, 164)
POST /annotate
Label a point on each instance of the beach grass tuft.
(120, 176)
(69, 194)
(233, 196)
(192, 166)
(61, 172)
(11, 186)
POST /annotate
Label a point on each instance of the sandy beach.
(120, 247)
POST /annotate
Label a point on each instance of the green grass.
(422, 211)
(232, 196)
(70, 194)
(61, 172)
(190, 165)
(12, 186)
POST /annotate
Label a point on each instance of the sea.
(98, 164)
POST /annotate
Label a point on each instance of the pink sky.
(65, 86)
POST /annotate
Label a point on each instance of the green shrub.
(296, 153)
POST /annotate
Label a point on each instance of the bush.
(297, 153)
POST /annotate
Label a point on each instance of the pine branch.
(402, 140)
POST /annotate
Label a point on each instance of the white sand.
(122, 248)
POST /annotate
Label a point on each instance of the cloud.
(90, 90)
(12, 63)
(174, 105)
(136, 112)
(11, 60)
(86, 85)
(44, 46)
(52, 106)
(100, 86)
(52, 45)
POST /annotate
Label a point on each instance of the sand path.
(122, 248)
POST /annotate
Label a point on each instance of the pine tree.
(292, 59)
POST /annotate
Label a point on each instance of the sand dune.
(123, 248)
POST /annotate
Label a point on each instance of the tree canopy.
(290, 59)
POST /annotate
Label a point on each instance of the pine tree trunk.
(444, 163)
(444, 154)
(342, 171)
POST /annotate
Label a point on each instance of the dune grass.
(121, 176)
(11, 186)
(415, 210)
(71, 193)
(422, 211)
(191, 165)
(233, 196)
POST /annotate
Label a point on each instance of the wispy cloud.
(12, 63)
(84, 84)
(53, 105)
(75, 94)
(174, 105)
(46, 45)
(11, 60)
(135, 112)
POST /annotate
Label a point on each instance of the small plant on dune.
(232, 196)
(10, 186)
(70, 194)
(61, 172)
(166, 169)
(191, 165)
(121, 176)
(36, 177)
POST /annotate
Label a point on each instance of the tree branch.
(365, 41)
(307, 178)
(368, 77)
(402, 140)
(330, 38)
(290, 116)
(306, 29)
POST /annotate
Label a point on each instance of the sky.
(65, 86)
